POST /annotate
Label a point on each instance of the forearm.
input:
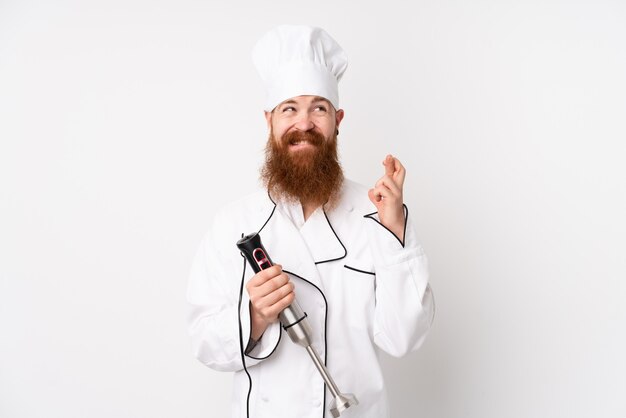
(404, 306)
(404, 301)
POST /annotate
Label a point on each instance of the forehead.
(305, 101)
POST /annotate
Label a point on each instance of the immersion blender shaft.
(322, 369)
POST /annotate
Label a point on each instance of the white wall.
(124, 124)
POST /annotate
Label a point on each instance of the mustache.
(312, 137)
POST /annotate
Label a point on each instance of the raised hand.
(387, 196)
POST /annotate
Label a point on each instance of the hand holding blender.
(292, 318)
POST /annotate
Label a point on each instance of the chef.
(347, 252)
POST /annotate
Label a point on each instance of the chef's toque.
(299, 60)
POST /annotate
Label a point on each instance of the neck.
(307, 209)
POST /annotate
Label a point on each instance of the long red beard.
(312, 175)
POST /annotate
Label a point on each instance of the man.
(348, 253)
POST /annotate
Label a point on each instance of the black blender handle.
(252, 248)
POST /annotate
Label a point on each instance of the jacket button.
(317, 403)
(265, 398)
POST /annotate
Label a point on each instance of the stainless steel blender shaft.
(341, 401)
(294, 321)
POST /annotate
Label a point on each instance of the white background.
(125, 124)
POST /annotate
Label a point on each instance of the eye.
(288, 109)
(321, 108)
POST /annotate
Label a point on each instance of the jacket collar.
(299, 251)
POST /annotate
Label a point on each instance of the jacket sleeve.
(405, 305)
(219, 315)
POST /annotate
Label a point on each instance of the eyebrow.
(316, 99)
(320, 99)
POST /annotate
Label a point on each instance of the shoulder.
(246, 205)
(245, 214)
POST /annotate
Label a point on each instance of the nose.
(304, 122)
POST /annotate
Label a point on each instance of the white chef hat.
(299, 60)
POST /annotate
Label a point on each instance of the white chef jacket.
(362, 288)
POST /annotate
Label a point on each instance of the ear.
(268, 119)
(339, 117)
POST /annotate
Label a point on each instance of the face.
(303, 114)
(301, 161)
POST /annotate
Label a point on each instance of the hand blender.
(294, 321)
